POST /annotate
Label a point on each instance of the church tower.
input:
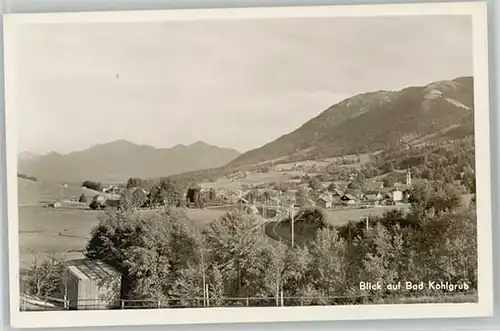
(408, 177)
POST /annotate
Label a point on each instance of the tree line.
(163, 255)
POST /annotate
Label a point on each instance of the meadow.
(339, 217)
(64, 232)
(32, 193)
(60, 232)
(252, 179)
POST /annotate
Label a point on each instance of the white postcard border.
(484, 307)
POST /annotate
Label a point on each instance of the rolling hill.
(372, 121)
(119, 160)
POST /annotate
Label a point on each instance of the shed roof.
(90, 269)
(348, 196)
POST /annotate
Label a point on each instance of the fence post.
(122, 304)
(277, 294)
(248, 303)
(208, 297)
(282, 298)
(159, 304)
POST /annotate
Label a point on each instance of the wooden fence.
(47, 303)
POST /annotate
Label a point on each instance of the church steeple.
(408, 177)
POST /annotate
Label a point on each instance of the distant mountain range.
(364, 123)
(119, 160)
(372, 121)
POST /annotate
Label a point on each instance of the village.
(265, 200)
(302, 192)
(264, 190)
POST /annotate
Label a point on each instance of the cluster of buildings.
(373, 193)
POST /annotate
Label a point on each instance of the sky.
(235, 83)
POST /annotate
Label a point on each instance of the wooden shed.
(91, 284)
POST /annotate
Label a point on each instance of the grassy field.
(281, 231)
(31, 193)
(253, 178)
(62, 232)
(341, 217)
(65, 232)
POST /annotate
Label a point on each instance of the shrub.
(92, 185)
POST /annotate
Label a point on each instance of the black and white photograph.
(252, 164)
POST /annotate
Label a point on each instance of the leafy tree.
(149, 249)
(45, 278)
(189, 286)
(215, 285)
(165, 193)
(296, 275)
(433, 199)
(315, 183)
(469, 179)
(448, 248)
(332, 187)
(139, 198)
(273, 270)
(126, 202)
(135, 182)
(234, 242)
(328, 252)
(94, 205)
(92, 185)
(379, 257)
(355, 185)
(389, 181)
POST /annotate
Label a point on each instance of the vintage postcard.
(248, 165)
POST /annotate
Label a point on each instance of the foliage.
(161, 258)
(389, 181)
(96, 186)
(165, 193)
(234, 243)
(433, 200)
(133, 198)
(136, 183)
(150, 249)
(94, 205)
(355, 184)
(328, 260)
(315, 183)
(45, 278)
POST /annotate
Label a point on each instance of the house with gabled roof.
(324, 201)
(348, 199)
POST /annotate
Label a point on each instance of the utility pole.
(292, 227)
(205, 299)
